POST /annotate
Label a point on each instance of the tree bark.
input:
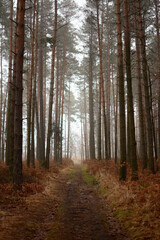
(146, 87)
(91, 111)
(131, 129)
(51, 90)
(143, 149)
(30, 92)
(158, 43)
(17, 163)
(121, 94)
(34, 90)
(101, 87)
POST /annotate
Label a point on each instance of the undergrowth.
(135, 204)
(88, 178)
(26, 209)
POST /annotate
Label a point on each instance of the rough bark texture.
(101, 84)
(41, 103)
(91, 111)
(56, 123)
(143, 149)
(146, 87)
(17, 166)
(121, 94)
(30, 93)
(10, 108)
(51, 90)
(131, 129)
(34, 92)
(158, 43)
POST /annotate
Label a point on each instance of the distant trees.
(135, 110)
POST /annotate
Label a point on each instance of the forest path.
(82, 213)
(69, 208)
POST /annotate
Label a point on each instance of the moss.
(128, 224)
(142, 186)
(55, 228)
(121, 214)
(88, 178)
(104, 191)
(72, 175)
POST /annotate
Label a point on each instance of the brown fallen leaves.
(23, 212)
(135, 204)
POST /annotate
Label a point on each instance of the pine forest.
(80, 119)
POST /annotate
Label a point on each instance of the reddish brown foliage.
(22, 212)
(136, 204)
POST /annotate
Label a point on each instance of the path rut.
(83, 214)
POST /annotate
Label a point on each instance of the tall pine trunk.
(30, 93)
(121, 94)
(91, 111)
(131, 128)
(51, 90)
(158, 43)
(146, 87)
(143, 149)
(17, 161)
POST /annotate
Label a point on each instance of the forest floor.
(66, 208)
(79, 202)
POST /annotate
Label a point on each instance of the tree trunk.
(143, 148)
(69, 116)
(132, 140)
(91, 111)
(51, 89)
(34, 91)
(121, 94)
(63, 85)
(41, 103)
(17, 162)
(10, 107)
(30, 93)
(158, 43)
(101, 86)
(56, 123)
(146, 87)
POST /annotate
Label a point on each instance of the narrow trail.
(69, 208)
(82, 215)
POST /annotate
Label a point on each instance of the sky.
(80, 2)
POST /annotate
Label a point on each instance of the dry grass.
(136, 204)
(26, 212)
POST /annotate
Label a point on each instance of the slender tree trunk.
(41, 103)
(91, 111)
(3, 131)
(143, 148)
(69, 116)
(63, 85)
(30, 93)
(51, 89)
(146, 87)
(85, 124)
(34, 91)
(17, 166)
(101, 85)
(1, 101)
(158, 43)
(132, 140)
(56, 127)
(121, 94)
(10, 107)
(152, 115)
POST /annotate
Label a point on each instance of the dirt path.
(82, 215)
(69, 208)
